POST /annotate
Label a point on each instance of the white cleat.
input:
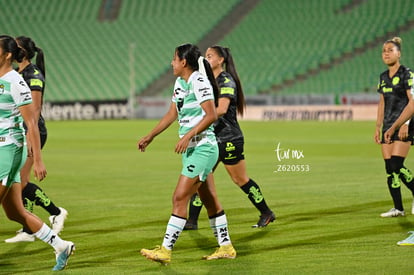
(21, 237)
(58, 221)
(393, 213)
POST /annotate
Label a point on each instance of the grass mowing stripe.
(119, 201)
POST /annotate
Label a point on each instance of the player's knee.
(396, 163)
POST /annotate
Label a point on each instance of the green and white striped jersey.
(188, 97)
(14, 93)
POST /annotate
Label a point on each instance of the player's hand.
(403, 132)
(377, 136)
(39, 170)
(182, 145)
(144, 142)
(388, 135)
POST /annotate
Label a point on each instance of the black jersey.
(226, 127)
(394, 90)
(36, 82)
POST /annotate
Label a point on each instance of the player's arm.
(37, 103)
(380, 119)
(163, 124)
(33, 137)
(223, 106)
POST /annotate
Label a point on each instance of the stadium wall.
(295, 107)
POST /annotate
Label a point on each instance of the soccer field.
(325, 181)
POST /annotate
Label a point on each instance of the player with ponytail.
(17, 106)
(32, 194)
(194, 106)
(230, 137)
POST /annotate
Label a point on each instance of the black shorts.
(395, 137)
(231, 152)
(43, 138)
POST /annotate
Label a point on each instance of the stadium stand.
(90, 60)
(280, 47)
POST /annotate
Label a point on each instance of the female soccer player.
(193, 103)
(230, 137)
(34, 75)
(394, 87)
(16, 99)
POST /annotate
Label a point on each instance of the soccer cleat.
(190, 225)
(158, 254)
(63, 257)
(21, 237)
(223, 252)
(393, 213)
(407, 241)
(265, 219)
(57, 221)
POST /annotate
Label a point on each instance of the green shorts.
(12, 159)
(199, 161)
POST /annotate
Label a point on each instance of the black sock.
(255, 196)
(394, 185)
(33, 194)
(194, 208)
(407, 178)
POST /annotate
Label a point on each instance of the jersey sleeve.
(202, 89)
(408, 80)
(21, 93)
(227, 88)
(380, 84)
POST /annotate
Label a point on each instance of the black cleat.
(190, 225)
(265, 219)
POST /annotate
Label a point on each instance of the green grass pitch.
(119, 201)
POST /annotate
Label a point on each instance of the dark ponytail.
(9, 45)
(30, 49)
(192, 53)
(230, 67)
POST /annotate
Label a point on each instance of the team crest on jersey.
(395, 80)
(1, 89)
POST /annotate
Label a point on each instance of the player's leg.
(194, 209)
(394, 155)
(239, 176)
(185, 188)
(33, 194)
(218, 221)
(13, 207)
(232, 156)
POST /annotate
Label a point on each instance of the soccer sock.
(212, 222)
(33, 194)
(174, 228)
(407, 178)
(220, 228)
(194, 208)
(48, 236)
(394, 186)
(255, 196)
